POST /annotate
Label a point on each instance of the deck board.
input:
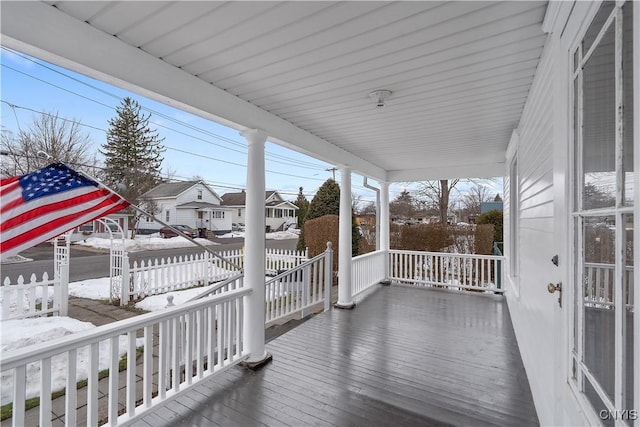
(403, 356)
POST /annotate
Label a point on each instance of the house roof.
(174, 189)
(240, 199)
(168, 189)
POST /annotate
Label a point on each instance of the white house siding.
(531, 306)
(185, 216)
(191, 195)
(221, 224)
(234, 214)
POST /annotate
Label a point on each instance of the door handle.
(552, 288)
(556, 287)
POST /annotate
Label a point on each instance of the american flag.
(45, 203)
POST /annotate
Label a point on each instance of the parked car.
(237, 226)
(166, 232)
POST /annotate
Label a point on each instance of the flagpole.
(143, 212)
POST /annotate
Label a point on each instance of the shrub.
(494, 217)
(319, 231)
(483, 239)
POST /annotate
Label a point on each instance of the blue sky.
(30, 86)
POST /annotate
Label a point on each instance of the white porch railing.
(176, 348)
(598, 285)
(34, 298)
(299, 290)
(367, 270)
(230, 284)
(440, 269)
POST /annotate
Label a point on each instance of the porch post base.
(386, 282)
(345, 306)
(256, 366)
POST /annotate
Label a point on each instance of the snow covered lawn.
(278, 235)
(16, 334)
(144, 243)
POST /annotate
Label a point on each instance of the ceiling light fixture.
(379, 96)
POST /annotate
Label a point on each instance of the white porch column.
(254, 251)
(344, 246)
(385, 243)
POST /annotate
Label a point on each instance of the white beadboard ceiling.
(459, 72)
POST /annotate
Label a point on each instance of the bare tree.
(368, 209)
(437, 195)
(356, 200)
(475, 196)
(48, 133)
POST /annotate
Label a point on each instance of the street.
(90, 264)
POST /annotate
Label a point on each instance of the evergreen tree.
(133, 153)
(403, 206)
(303, 206)
(327, 202)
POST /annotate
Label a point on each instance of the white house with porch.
(190, 203)
(279, 213)
(543, 93)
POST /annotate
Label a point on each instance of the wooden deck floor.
(403, 356)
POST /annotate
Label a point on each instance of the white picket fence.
(163, 275)
(36, 297)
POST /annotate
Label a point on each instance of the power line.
(167, 117)
(168, 147)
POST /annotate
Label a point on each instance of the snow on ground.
(278, 235)
(90, 288)
(144, 242)
(16, 334)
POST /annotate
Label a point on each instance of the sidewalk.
(99, 313)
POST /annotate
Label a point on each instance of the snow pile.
(143, 243)
(21, 333)
(278, 235)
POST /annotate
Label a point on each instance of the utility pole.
(333, 171)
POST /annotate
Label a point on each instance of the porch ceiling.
(460, 72)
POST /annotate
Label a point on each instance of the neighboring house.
(279, 213)
(191, 203)
(490, 206)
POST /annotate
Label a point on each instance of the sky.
(194, 146)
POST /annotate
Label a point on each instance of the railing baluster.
(45, 392)
(200, 318)
(19, 393)
(188, 344)
(147, 367)
(71, 392)
(131, 373)
(175, 353)
(92, 386)
(114, 343)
